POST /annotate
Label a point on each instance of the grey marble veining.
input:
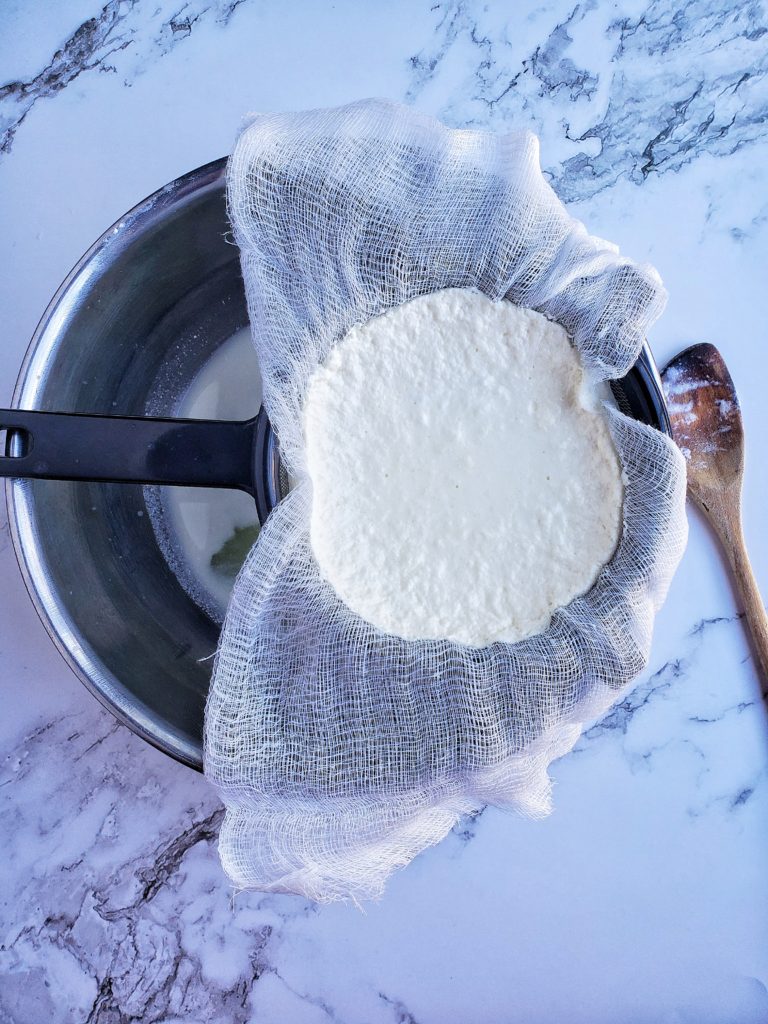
(662, 87)
(642, 898)
(148, 31)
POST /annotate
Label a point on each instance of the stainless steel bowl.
(125, 334)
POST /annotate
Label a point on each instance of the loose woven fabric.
(341, 751)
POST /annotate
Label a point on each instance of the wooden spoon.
(706, 425)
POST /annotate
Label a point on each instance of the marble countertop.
(644, 897)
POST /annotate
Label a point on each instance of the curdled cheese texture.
(465, 482)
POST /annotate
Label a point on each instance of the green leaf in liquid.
(233, 552)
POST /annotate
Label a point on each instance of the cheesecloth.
(341, 751)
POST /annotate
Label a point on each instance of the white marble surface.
(644, 897)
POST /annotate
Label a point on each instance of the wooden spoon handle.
(754, 609)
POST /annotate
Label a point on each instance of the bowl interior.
(126, 334)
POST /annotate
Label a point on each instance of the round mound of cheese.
(464, 479)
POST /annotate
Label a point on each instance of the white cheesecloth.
(341, 751)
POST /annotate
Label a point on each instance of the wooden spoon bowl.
(707, 427)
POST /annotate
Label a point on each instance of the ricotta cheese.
(464, 479)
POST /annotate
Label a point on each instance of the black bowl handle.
(135, 449)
